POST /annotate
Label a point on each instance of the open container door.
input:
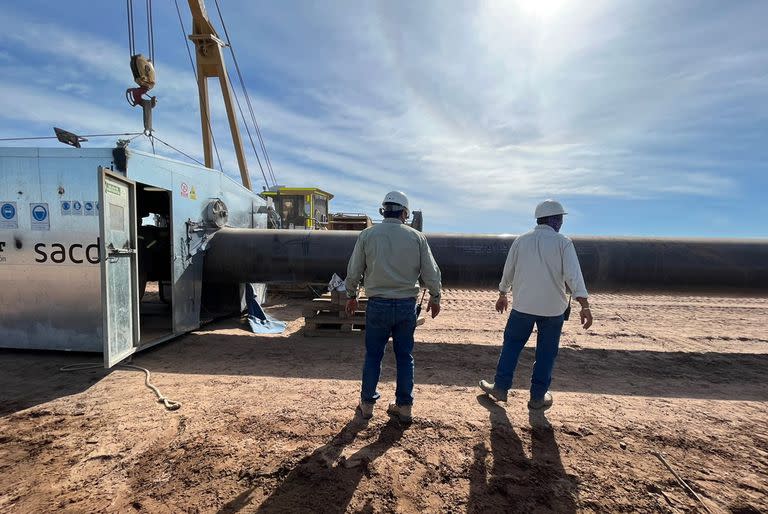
(119, 266)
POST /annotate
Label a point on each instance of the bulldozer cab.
(300, 208)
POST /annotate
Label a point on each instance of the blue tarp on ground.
(260, 321)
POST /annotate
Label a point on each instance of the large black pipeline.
(476, 261)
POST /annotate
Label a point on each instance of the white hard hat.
(549, 208)
(396, 197)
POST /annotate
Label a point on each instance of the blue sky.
(644, 118)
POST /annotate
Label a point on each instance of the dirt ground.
(267, 422)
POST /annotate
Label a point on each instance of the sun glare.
(541, 8)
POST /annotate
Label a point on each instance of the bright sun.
(542, 8)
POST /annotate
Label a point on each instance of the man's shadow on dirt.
(325, 481)
(516, 483)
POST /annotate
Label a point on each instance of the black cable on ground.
(167, 403)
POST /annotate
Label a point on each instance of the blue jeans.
(383, 318)
(516, 334)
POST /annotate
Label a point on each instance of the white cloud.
(77, 89)
(500, 103)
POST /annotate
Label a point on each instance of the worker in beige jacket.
(391, 257)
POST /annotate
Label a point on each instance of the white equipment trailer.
(81, 229)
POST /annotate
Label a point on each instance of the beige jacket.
(390, 257)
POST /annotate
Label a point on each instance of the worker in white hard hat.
(390, 258)
(540, 264)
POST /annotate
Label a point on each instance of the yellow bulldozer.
(308, 208)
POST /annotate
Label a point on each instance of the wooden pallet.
(326, 317)
(333, 329)
(335, 303)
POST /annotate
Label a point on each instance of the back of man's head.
(392, 214)
(556, 221)
(546, 220)
(392, 210)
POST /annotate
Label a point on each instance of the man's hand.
(502, 304)
(585, 315)
(351, 307)
(586, 318)
(434, 308)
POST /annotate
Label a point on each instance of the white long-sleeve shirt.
(539, 265)
(392, 256)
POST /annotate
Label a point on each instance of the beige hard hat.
(549, 208)
(396, 197)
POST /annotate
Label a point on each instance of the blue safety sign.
(40, 216)
(89, 208)
(8, 216)
(77, 207)
(66, 207)
(8, 210)
(39, 212)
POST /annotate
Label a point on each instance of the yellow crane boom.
(210, 63)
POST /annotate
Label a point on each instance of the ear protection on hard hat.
(390, 207)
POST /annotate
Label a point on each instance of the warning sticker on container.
(40, 216)
(192, 193)
(9, 216)
(89, 208)
(111, 188)
(77, 207)
(66, 208)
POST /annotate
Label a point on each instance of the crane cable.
(132, 30)
(152, 138)
(176, 149)
(247, 100)
(131, 36)
(247, 130)
(194, 73)
(150, 32)
(84, 135)
(242, 115)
